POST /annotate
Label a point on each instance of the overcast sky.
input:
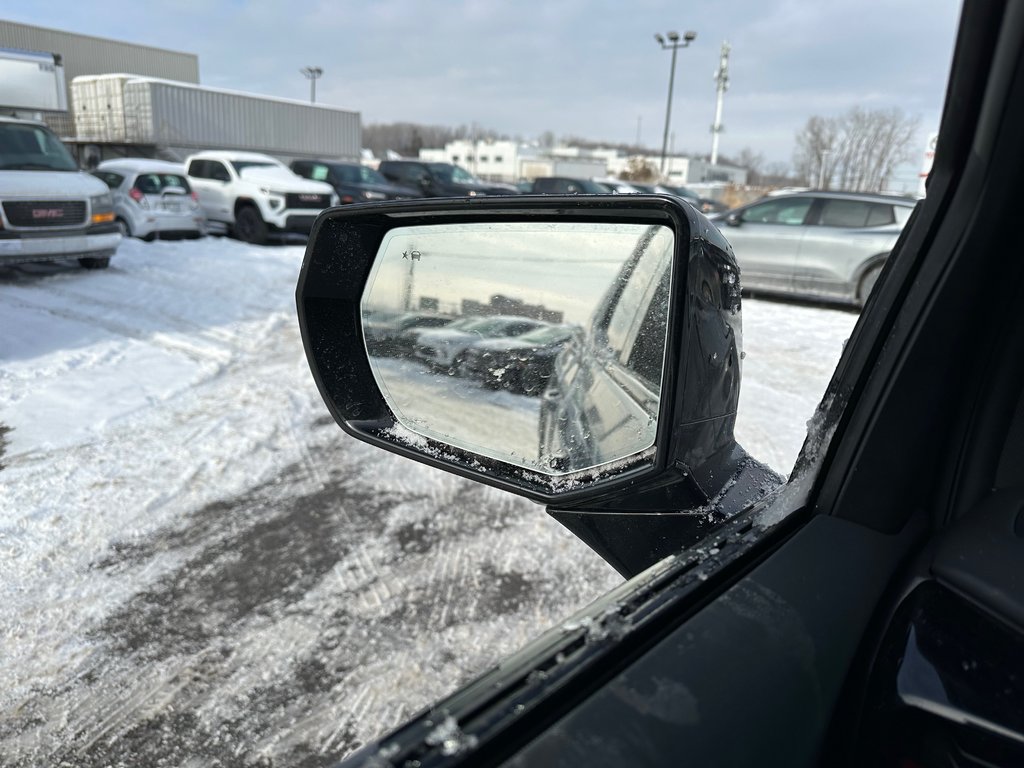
(573, 67)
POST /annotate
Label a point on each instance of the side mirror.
(630, 413)
(424, 180)
(733, 220)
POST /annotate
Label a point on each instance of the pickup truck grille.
(304, 200)
(45, 213)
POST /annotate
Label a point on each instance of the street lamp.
(312, 74)
(673, 43)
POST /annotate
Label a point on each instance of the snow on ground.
(196, 565)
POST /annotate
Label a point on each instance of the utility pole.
(674, 45)
(312, 74)
(722, 79)
(821, 168)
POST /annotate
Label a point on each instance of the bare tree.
(856, 151)
(638, 169)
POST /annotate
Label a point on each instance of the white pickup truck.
(49, 209)
(253, 194)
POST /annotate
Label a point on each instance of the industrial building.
(87, 55)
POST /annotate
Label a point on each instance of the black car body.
(440, 179)
(447, 347)
(868, 612)
(522, 364)
(353, 182)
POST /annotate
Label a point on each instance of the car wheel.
(249, 226)
(867, 283)
(122, 227)
(94, 262)
(455, 369)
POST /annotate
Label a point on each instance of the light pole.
(821, 167)
(312, 74)
(674, 44)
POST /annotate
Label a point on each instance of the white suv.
(49, 209)
(253, 194)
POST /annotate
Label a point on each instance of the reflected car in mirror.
(446, 348)
(390, 333)
(522, 364)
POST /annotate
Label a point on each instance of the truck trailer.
(120, 115)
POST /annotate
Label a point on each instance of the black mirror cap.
(700, 389)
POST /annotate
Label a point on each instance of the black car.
(353, 182)
(441, 179)
(521, 364)
(869, 611)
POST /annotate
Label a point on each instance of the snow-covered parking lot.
(197, 567)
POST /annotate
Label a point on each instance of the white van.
(49, 209)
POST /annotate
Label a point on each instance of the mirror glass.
(540, 344)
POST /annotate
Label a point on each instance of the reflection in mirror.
(537, 344)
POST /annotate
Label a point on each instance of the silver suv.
(815, 245)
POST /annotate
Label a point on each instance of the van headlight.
(102, 207)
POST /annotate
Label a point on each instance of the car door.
(210, 179)
(844, 238)
(766, 238)
(871, 612)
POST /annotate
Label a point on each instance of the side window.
(643, 304)
(218, 172)
(844, 213)
(789, 211)
(880, 215)
(197, 169)
(648, 352)
(317, 172)
(112, 180)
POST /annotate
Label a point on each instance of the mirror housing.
(733, 220)
(694, 463)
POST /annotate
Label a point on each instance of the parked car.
(816, 245)
(562, 185)
(353, 182)
(446, 347)
(441, 179)
(389, 337)
(520, 364)
(255, 195)
(49, 209)
(152, 198)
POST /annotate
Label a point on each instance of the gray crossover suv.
(815, 245)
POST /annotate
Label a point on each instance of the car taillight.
(136, 194)
(347, 199)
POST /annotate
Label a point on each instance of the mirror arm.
(673, 513)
